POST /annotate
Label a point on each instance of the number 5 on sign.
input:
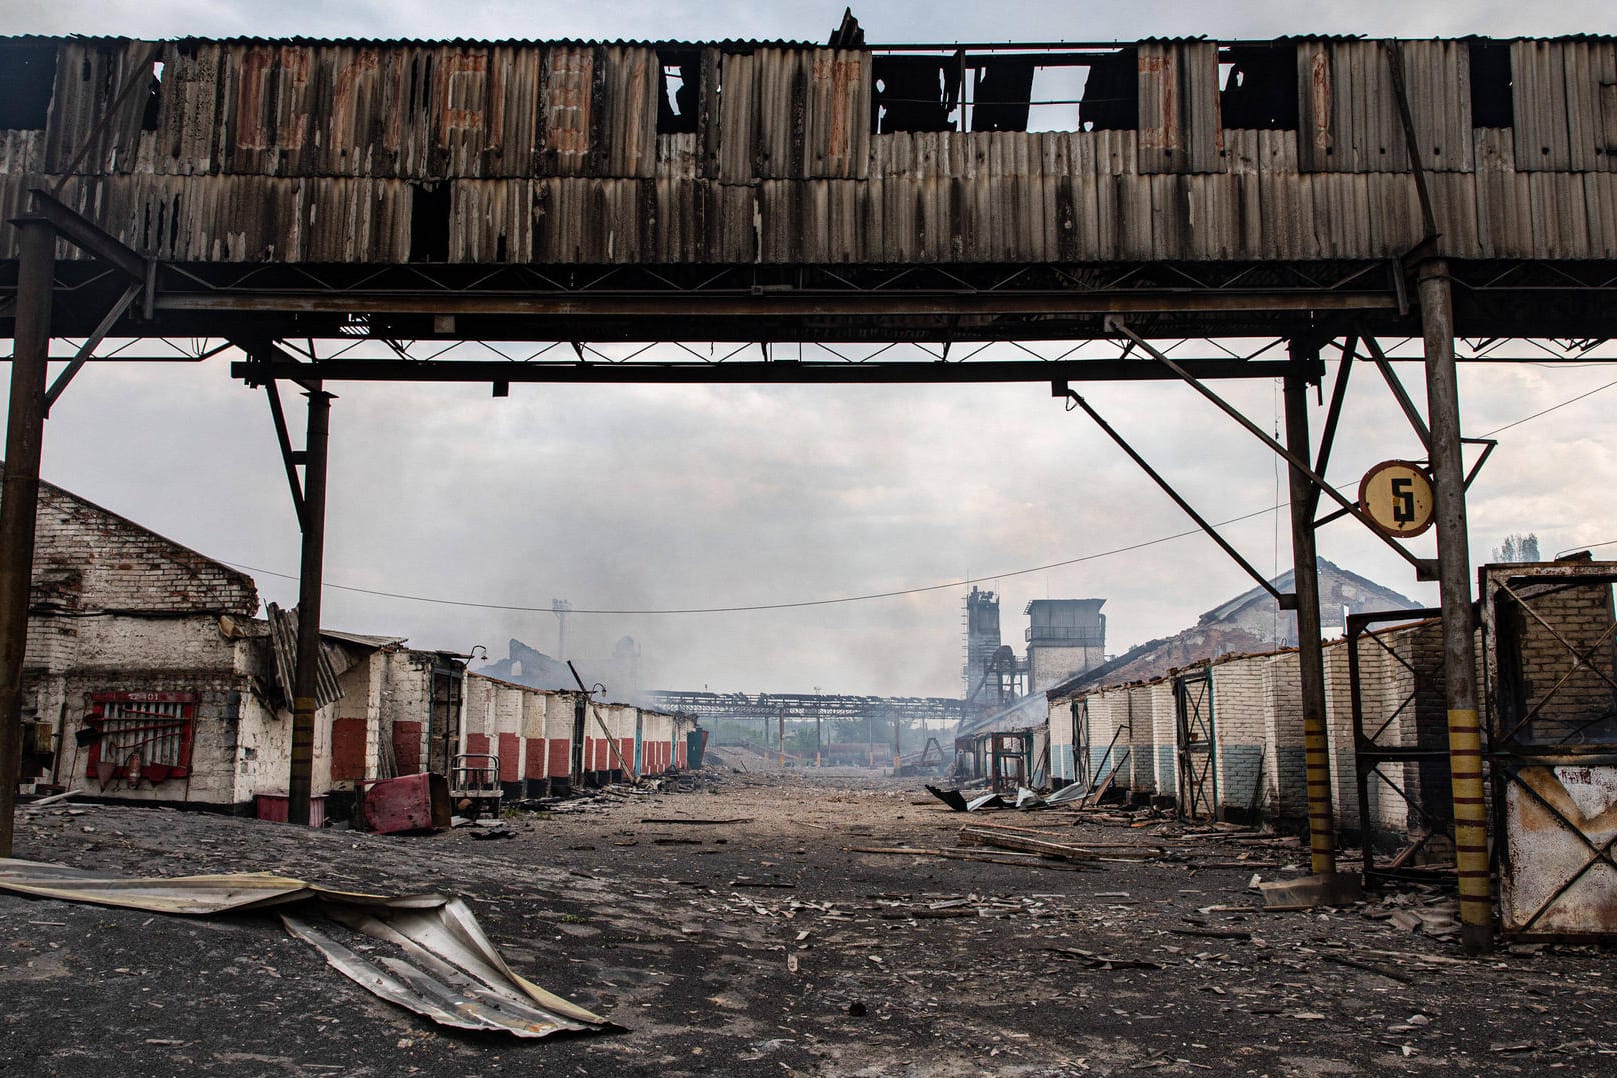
(1397, 497)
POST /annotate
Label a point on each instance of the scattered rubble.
(835, 927)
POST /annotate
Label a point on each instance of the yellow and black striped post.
(1459, 641)
(1310, 650)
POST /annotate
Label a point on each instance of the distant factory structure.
(1064, 637)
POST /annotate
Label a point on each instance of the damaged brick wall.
(87, 558)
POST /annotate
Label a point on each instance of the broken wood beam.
(980, 836)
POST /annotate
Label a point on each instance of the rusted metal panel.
(1180, 129)
(1316, 112)
(599, 108)
(1349, 114)
(569, 99)
(1551, 882)
(838, 114)
(186, 140)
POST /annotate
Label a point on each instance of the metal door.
(639, 732)
(1080, 741)
(578, 741)
(1198, 778)
(443, 734)
(1552, 664)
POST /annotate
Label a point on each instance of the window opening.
(915, 93)
(137, 736)
(27, 80)
(1076, 91)
(1259, 88)
(677, 98)
(429, 223)
(1001, 94)
(1492, 97)
(1111, 98)
(154, 98)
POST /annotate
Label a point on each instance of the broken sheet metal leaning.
(451, 972)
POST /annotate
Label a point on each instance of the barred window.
(140, 736)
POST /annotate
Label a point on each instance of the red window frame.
(151, 730)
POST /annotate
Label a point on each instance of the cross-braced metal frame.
(1552, 663)
(1197, 745)
(1382, 743)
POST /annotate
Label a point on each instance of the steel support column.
(19, 500)
(1454, 582)
(1310, 651)
(310, 571)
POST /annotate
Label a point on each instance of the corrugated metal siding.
(305, 152)
(1349, 108)
(1566, 111)
(1180, 130)
(1437, 78)
(284, 643)
(90, 77)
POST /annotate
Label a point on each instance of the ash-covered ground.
(770, 946)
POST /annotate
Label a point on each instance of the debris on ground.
(458, 979)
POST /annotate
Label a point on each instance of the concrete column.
(1454, 581)
(1310, 650)
(310, 573)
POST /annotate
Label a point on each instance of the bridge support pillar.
(1459, 621)
(19, 497)
(311, 572)
(1310, 651)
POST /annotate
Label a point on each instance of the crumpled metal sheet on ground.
(454, 975)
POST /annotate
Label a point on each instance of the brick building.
(149, 677)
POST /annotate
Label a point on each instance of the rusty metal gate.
(443, 719)
(1400, 746)
(1198, 776)
(1551, 650)
(1080, 741)
(1008, 755)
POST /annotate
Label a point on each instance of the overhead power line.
(781, 606)
(868, 596)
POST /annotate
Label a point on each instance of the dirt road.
(765, 946)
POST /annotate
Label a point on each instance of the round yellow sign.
(1397, 497)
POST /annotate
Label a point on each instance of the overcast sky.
(646, 498)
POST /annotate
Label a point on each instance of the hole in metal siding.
(1492, 103)
(1259, 88)
(429, 223)
(27, 79)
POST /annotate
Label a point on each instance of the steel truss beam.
(801, 706)
(794, 303)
